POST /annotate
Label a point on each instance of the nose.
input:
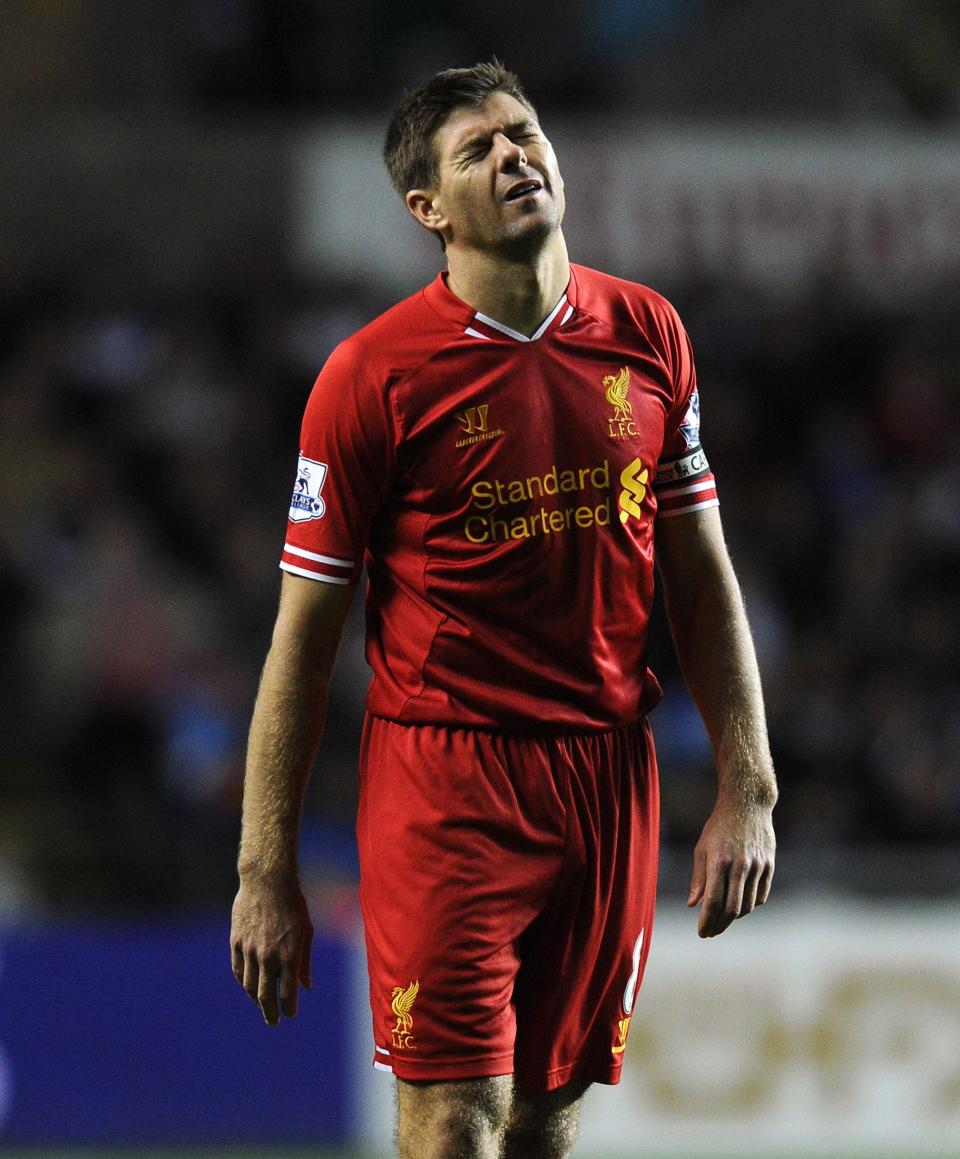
(511, 153)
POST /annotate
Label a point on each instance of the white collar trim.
(515, 334)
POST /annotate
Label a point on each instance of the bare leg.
(453, 1120)
(544, 1126)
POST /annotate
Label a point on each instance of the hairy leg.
(453, 1120)
(544, 1126)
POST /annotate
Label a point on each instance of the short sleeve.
(344, 470)
(684, 481)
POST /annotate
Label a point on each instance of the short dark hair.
(409, 150)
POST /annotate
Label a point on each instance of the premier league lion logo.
(307, 502)
(690, 427)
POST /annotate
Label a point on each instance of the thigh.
(583, 958)
(461, 840)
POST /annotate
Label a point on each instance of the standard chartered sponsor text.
(490, 496)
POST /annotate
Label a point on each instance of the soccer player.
(503, 450)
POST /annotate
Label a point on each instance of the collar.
(478, 325)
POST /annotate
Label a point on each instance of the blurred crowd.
(149, 425)
(149, 445)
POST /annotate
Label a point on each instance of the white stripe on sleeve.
(314, 575)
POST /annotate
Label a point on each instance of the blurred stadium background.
(192, 214)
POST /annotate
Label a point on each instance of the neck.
(518, 292)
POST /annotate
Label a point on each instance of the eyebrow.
(523, 126)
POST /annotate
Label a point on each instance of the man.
(500, 449)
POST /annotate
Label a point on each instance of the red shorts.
(507, 885)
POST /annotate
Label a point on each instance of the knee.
(451, 1133)
(544, 1126)
(551, 1139)
(453, 1120)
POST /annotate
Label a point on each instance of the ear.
(425, 206)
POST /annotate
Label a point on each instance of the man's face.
(499, 185)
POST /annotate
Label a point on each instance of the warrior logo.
(475, 427)
(307, 502)
(634, 478)
(474, 419)
(617, 387)
(401, 1004)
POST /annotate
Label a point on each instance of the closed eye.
(479, 147)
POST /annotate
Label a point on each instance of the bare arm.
(271, 932)
(734, 858)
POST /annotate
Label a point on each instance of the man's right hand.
(270, 941)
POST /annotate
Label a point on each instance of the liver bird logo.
(618, 386)
(401, 1004)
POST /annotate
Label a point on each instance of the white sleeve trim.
(314, 575)
(319, 558)
(688, 490)
(693, 507)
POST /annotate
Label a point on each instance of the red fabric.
(505, 883)
(502, 493)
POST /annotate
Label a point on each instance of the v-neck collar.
(479, 325)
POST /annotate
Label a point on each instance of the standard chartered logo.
(633, 477)
(585, 502)
(580, 499)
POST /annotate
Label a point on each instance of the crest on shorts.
(401, 1004)
(307, 502)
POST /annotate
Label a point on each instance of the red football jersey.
(502, 492)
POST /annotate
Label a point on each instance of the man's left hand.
(732, 865)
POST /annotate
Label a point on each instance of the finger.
(289, 987)
(306, 973)
(766, 881)
(750, 887)
(267, 994)
(713, 917)
(698, 880)
(251, 974)
(236, 962)
(715, 922)
(736, 883)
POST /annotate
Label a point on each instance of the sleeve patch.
(690, 427)
(307, 502)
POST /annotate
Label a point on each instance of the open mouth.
(523, 189)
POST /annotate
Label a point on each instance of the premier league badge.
(690, 427)
(307, 502)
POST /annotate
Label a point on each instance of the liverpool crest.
(402, 1004)
(617, 388)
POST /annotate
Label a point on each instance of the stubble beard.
(525, 241)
